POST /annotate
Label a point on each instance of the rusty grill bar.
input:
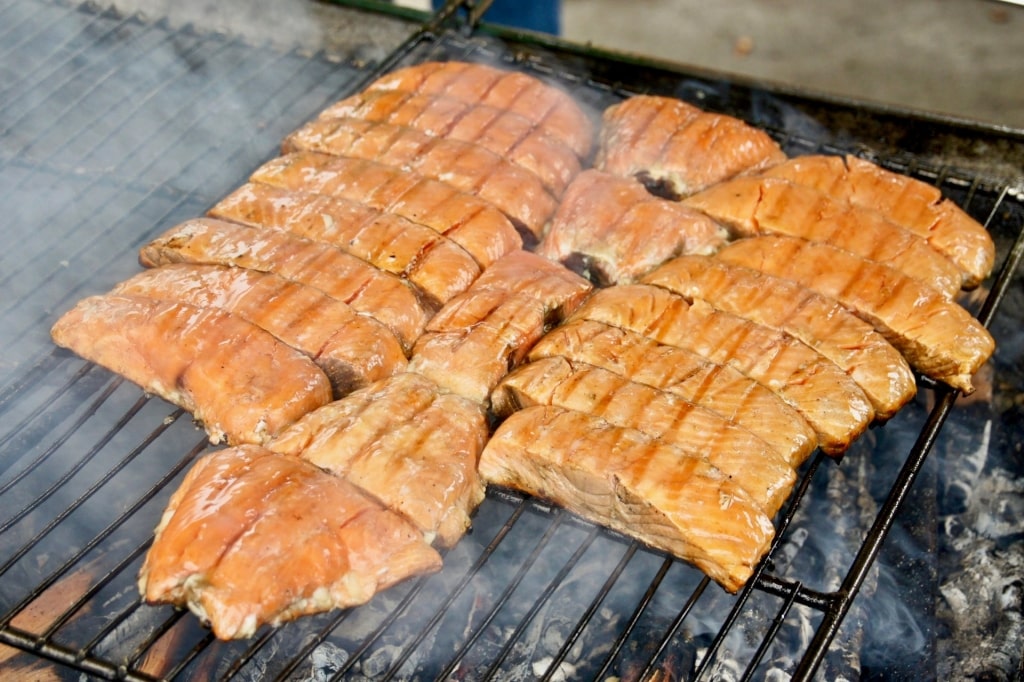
(126, 126)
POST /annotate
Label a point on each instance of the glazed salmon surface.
(621, 231)
(467, 167)
(405, 441)
(242, 383)
(352, 349)
(757, 206)
(341, 276)
(828, 399)
(469, 221)
(436, 265)
(748, 460)
(550, 109)
(253, 538)
(678, 147)
(822, 323)
(916, 205)
(633, 483)
(717, 387)
(503, 132)
(937, 337)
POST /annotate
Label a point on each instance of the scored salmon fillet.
(937, 337)
(678, 149)
(467, 167)
(820, 322)
(253, 538)
(549, 108)
(407, 442)
(633, 483)
(503, 132)
(353, 350)
(828, 399)
(242, 383)
(747, 459)
(717, 387)
(438, 266)
(469, 221)
(916, 205)
(613, 229)
(753, 206)
(342, 276)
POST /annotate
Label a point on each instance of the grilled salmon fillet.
(550, 109)
(748, 460)
(820, 322)
(253, 537)
(754, 206)
(408, 443)
(614, 230)
(936, 336)
(353, 350)
(467, 167)
(503, 132)
(242, 383)
(436, 265)
(633, 483)
(717, 387)
(341, 276)
(676, 148)
(827, 398)
(469, 221)
(916, 205)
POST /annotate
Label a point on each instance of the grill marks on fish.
(758, 206)
(342, 276)
(937, 337)
(828, 399)
(678, 149)
(352, 349)
(406, 441)
(916, 205)
(469, 221)
(633, 483)
(253, 537)
(744, 457)
(820, 322)
(621, 231)
(240, 381)
(717, 387)
(438, 266)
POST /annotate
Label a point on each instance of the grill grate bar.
(769, 635)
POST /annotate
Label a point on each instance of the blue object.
(536, 15)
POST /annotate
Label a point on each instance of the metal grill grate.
(126, 126)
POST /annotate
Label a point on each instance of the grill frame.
(600, 75)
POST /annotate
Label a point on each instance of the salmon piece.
(405, 441)
(820, 322)
(916, 205)
(677, 149)
(549, 108)
(253, 538)
(830, 401)
(716, 387)
(937, 337)
(697, 431)
(239, 381)
(339, 275)
(614, 230)
(503, 132)
(632, 483)
(436, 265)
(353, 350)
(467, 167)
(472, 223)
(757, 206)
